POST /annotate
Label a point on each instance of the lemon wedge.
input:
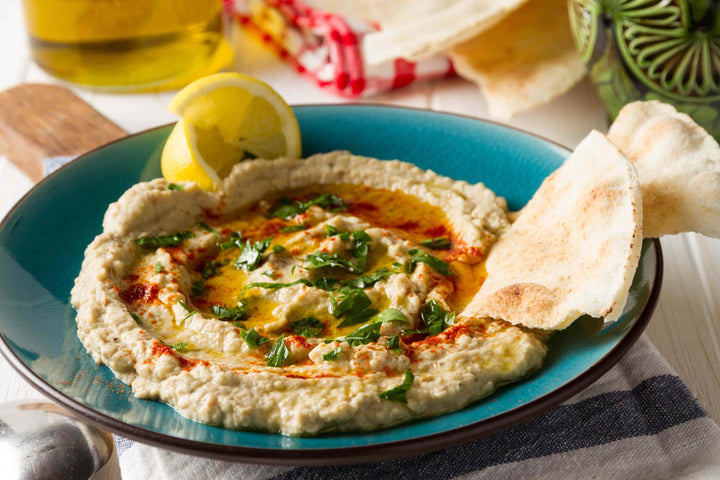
(226, 118)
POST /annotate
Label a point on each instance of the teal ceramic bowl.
(43, 238)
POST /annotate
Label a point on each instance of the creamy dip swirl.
(305, 296)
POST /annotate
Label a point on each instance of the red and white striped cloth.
(327, 47)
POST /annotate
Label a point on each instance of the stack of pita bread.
(574, 248)
(520, 52)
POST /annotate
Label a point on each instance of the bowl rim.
(354, 454)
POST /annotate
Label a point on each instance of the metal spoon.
(39, 440)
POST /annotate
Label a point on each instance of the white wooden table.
(686, 324)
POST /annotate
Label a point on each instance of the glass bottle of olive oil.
(127, 45)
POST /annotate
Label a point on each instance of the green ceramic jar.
(666, 50)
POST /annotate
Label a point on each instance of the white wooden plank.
(686, 324)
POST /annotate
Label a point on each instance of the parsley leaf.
(332, 231)
(367, 281)
(438, 243)
(232, 314)
(392, 315)
(286, 208)
(180, 347)
(326, 283)
(136, 317)
(418, 256)
(275, 286)
(353, 308)
(331, 355)
(210, 269)
(278, 353)
(278, 249)
(234, 241)
(398, 394)
(198, 288)
(252, 338)
(175, 186)
(361, 247)
(307, 327)
(172, 240)
(364, 335)
(324, 259)
(190, 311)
(436, 318)
(294, 228)
(393, 344)
(208, 228)
(159, 267)
(268, 273)
(251, 256)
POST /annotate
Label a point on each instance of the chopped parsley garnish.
(436, 318)
(268, 273)
(418, 256)
(190, 311)
(393, 344)
(353, 308)
(287, 209)
(438, 243)
(278, 353)
(180, 347)
(159, 268)
(208, 228)
(367, 281)
(210, 269)
(398, 394)
(251, 256)
(364, 335)
(332, 355)
(252, 338)
(392, 315)
(294, 228)
(175, 186)
(234, 241)
(326, 283)
(198, 288)
(275, 286)
(230, 314)
(136, 317)
(307, 327)
(359, 250)
(278, 249)
(324, 259)
(172, 240)
(332, 231)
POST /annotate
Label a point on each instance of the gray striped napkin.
(638, 421)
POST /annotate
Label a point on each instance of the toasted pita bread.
(525, 60)
(574, 248)
(679, 167)
(417, 29)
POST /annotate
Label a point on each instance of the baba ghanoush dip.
(304, 296)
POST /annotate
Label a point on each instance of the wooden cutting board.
(38, 121)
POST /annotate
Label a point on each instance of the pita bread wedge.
(525, 60)
(574, 248)
(417, 29)
(679, 167)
